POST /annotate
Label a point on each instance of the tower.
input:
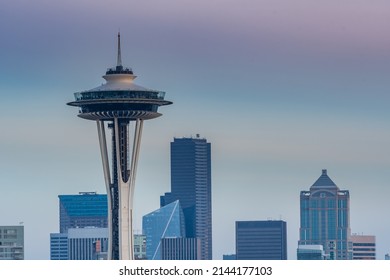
(117, 104)
(191, 185)
(325, 218)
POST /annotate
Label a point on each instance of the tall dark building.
(191, 185)
(261, 240)
(87, 209)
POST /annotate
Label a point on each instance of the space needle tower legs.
(120, 194)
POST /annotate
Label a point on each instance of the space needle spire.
(119, 57)
(114, 105)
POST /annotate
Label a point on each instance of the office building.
(180, 248)
(310, 252)
(87, 243)
(114, 105)
(325, 218)
(58, 246)
(363, 247)
(168, 221)
(191, 185)
(261, 240)
(11, 242)
(87, 209)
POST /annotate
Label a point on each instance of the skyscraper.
(87, 209)
(87, 212)
(191, 185)
(119, 102)
(325, 218)
(261, 240)
(168, 221)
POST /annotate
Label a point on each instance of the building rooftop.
(324, 180)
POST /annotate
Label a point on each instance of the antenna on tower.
(119, 58)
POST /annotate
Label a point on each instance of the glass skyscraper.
(325, 218)
(84, 213)
(191, 185)
(87, 209)
(168, 221)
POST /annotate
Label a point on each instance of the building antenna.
(119, 58)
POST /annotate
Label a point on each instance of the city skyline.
(279, 89)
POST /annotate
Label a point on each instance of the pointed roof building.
(324, 181)
(325, 218)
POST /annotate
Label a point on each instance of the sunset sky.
(281, 90)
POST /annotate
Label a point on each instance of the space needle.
(121, 106)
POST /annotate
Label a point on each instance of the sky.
(281, 90)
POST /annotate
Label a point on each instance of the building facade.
(191, 185)
(11, 242)
(87, 209)
(180, 248)
(58, 246)
(311, 252)
(168, 221)
(261, 240)
(139, 247)
(87, 243)
(364, 247)
(324, 218)
(230, 257)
